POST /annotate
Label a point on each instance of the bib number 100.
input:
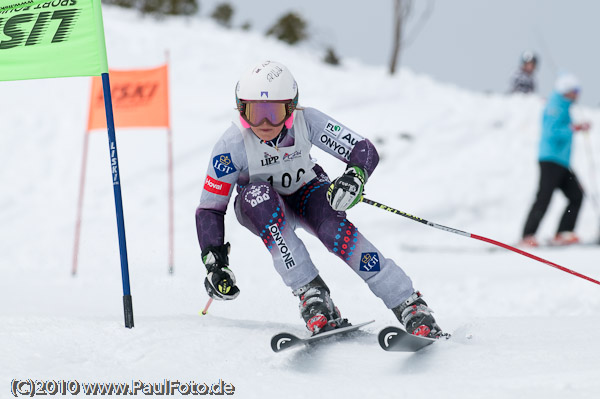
(286, 178)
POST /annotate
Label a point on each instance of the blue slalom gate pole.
(114, 163)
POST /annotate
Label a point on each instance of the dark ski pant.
(553, 176)
(274, 218)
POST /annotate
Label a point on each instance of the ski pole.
(207, 306)
(466, 234)
(592, 166)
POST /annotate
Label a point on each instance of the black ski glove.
(220, 281)
(346, 191)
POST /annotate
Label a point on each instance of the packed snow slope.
(458, 158)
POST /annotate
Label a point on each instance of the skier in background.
(523, 80)
(264, 154)
(554, 159)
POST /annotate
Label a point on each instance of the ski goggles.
(272, 112)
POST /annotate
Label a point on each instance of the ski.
(284, 340)
(395, 339)
(550, 244)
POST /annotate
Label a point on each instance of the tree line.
(290, 27)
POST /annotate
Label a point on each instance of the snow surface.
(458, 158)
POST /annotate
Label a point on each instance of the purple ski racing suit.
(280, 188)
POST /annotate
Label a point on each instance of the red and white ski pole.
(488, 240)
(210, 300)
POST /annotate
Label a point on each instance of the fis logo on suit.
(369, 262)
(223, 165)
(257, 195)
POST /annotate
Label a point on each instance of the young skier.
(265, 155)
(523, 80)
(554, 159)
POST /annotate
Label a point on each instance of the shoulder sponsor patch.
(333, 128)
(369, 262)
(349, 138)
(216, 186)
(335, 146)
(223, 165)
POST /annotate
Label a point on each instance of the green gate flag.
(51, 39)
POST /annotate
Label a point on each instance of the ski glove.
(582, 127)
(346, 190)
(220, 281)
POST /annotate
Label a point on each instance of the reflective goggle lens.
(275, 113)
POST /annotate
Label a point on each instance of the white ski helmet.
(566, 83)
(268, 81)
(529, 56)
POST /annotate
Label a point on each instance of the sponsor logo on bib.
(290, 156)
(269, 160)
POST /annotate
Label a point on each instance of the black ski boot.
(317, 308)
(416, 317)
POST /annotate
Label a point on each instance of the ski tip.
(388, 335)
(283, 341)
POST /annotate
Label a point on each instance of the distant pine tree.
(159, 7)
(182, 7)
(290, 28)
(151, 6)
(331, 57)
(222, 14)
(122, 3)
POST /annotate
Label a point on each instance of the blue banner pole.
(114, 162)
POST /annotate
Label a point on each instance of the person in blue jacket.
(554, 158)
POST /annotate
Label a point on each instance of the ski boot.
(529, 242)
(565, 238)
(415, 316)
(317, 308)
